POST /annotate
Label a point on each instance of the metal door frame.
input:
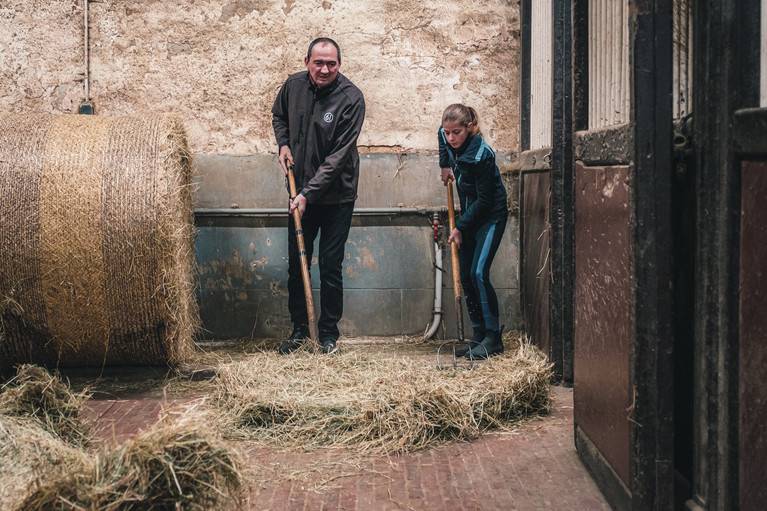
(646, 143)
(557, 159)
(727, 127)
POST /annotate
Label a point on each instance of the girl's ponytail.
(474, 120)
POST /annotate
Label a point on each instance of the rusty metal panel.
(535, 272)
(753, 337)
(540, 75)
(682, 58)
(603, 304)
(388, 270)
(609, 73)
(388, 281)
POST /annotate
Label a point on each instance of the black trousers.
(332, 222)
(476, 255)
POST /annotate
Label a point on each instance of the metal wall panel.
(753, 337)
(536, 272)
(609, 86)
(763, 73)
(540, 74)
(683, 58)
(388, 281)
(388, 270)
(603, 305)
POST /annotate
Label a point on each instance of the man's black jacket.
(321, 127)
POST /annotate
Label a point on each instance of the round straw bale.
(96, 233)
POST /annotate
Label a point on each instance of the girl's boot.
(476, 338)
(491, 345)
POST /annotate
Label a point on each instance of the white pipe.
(86, 52)
(437, 312)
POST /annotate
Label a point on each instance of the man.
(317, 117)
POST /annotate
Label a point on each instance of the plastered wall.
(220, 63)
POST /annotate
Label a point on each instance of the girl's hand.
(447, 175)
(455, 237)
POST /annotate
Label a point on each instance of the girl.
(465, 157)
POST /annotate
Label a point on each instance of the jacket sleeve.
(349, 127)
(444, 161)
(477, 212)
(280, 117)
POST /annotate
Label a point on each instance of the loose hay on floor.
(175, 465)
(178, 464)
(382, 401)
(30, 455)
(96, 236)
(36, 394)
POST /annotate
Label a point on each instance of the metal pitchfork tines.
(446, 358)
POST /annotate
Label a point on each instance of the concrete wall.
(220, 63)
(41, 56)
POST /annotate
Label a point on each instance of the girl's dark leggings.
(476, 256)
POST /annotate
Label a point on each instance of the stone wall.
(220, 63)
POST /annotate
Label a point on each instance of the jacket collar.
(467, 153)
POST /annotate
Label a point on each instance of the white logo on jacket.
(328, 117)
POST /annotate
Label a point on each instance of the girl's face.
(456, 133)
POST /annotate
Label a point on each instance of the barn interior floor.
(534, 466)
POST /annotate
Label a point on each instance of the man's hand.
(285, 158)
(298, 203)
(455, 237)
(447, 175)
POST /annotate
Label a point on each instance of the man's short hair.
(323, 40)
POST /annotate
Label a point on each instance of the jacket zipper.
(306, 145)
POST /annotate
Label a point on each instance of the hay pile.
(171, 466)
(42, 433)
(30, 454)
(391, 402)
(179, 463)
(36, 394)
(96, 235)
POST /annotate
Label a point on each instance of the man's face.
(323, 64)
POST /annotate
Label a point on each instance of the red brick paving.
(122, 418)
(533, 467)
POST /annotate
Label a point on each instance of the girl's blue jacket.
(480, 188)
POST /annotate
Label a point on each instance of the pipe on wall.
(279, 212)
(436, 315)
(86, 52)
(86, 107)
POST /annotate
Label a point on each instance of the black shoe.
(328, 345)
(490, 346)
(479, 334)
(295, 341)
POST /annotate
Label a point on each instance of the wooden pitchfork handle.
(302, 256)
(455, 264)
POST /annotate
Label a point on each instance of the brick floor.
(533, 467)
(119, 419)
